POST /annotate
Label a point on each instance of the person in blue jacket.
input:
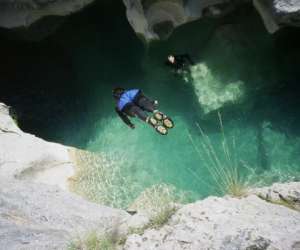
(133, 103)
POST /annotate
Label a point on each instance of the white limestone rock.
(282, 193)
(225, 223)
(278, 13)
(212, 93)
(23, 13)
(156, 19)
(36, 213)
(36, 209)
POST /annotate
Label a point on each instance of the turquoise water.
(247, 76)
(231, 53)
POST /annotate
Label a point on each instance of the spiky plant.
(223, 166)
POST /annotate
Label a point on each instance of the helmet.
(171, 58)
(117, 92)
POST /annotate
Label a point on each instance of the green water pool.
(227, 53)
(243, 75)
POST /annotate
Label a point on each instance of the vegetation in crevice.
(158, 202)
(282, 201)
(93, 241)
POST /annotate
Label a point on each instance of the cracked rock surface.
(36, 209)
(38, 212)
(156, 19)
(225, 223)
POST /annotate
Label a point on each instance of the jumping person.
(133, 103)
(179, 63)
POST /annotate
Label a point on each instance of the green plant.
(161, 218)
(282, 201)
(93, 241)
(159, 201)
(155, 222)
(223, 168)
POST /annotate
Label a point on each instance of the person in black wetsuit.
(179, 63)
(133, 103)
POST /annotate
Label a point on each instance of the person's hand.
(132, 126)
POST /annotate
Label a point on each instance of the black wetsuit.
(181, 62)
(137, 108)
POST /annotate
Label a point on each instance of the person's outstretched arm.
(125, 118)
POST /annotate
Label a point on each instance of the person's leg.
(133, 110)
(138, 112)
(146, 104)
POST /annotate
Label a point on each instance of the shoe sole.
(153, 121)
(159, 116)
(168, 123)
(162, 130)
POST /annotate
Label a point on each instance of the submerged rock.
(213, 93)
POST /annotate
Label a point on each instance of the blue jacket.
(127, 97)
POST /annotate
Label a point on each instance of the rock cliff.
(38, 212)
(230, 224)
(36, 209)
(151, 19)
(156, 19)
(14, 14)
(278, 13)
